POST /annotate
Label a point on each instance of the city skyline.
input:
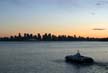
(49, 37)
(68, 17)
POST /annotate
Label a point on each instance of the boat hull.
(80, 60)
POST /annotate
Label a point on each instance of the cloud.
(98, 4)
(101, 2)
(99, 29)
(12, 2)
(93, 13)
(40, 1)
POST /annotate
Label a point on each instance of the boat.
(79, 59)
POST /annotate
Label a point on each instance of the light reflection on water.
(48, 57)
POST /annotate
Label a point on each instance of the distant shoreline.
(55, 41)
(48, 37)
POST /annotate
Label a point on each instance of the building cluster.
(49, 37)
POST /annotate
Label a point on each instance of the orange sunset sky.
(67, 17)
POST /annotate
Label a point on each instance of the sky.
(80, 17)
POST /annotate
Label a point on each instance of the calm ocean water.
(48, 57)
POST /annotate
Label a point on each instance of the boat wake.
(59, 61)
(102, 64)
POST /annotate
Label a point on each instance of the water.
(48, 57)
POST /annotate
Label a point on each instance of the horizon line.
(22, 34)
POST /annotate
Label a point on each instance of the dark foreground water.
(48, 57)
